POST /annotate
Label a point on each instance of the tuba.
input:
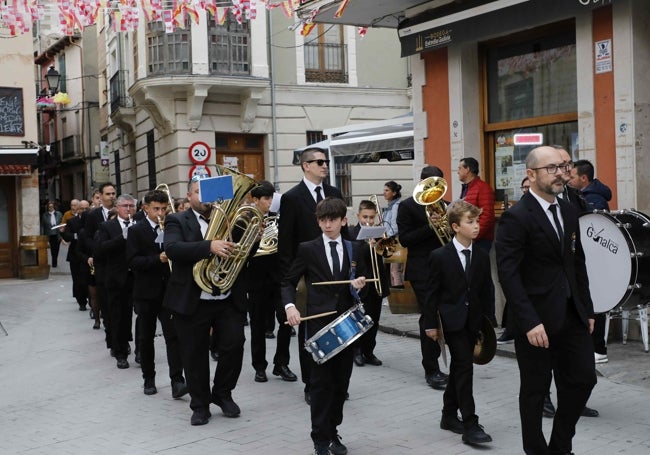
(228, 218)
(429, 192)
(170, 209)
(269, 241)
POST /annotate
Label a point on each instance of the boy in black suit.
(364, 347)
(151, 269)
(459, 280)
(326, 258)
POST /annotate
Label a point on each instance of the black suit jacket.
(298, 220)
(110, 250)
(143, 256)
(459, 302)
(416, 235)
(71, 235)
(534, 273)
(311, 261)
(93, 219)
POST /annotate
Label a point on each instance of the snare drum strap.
(353, 270)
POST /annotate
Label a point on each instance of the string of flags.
(18, 16)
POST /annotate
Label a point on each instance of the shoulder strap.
(353, 269)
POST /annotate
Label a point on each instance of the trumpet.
(429, 193)
(170, 209)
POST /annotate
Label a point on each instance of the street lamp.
(52, 77)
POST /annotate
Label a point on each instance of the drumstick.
(315, 316)
(371, 280)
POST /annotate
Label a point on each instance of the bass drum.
(617, 255)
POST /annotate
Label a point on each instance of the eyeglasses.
(554, 168)
(525, 188)
(319, 162)
(129, 206)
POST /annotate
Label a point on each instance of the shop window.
(530, 87)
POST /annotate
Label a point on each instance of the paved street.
(62, 394)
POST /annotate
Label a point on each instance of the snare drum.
(617, 251)
(338, 334)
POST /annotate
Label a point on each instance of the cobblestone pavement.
(62, 394)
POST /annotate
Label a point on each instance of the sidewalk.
(62, 394)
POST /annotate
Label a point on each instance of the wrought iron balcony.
(119, 95)
(326, 62)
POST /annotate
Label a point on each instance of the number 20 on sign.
(199, 152)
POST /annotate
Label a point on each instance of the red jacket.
(481, 194)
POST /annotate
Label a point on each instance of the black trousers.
(430, 349)
(120, 307)
(367, 342)
(598, 335)
(306, 360)
(570, 358)
(328, 386)
(194, 336)
(459, 393)
(79, 284)
(259, 302)
(148, 314)
(55, 244)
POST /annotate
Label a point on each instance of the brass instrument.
(220, 273)
(170, 209)
(386, 246)
(269, 243)
(429, 192)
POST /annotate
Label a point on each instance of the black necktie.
(463, 191)
(319, 197)
(126, 223)
(336, 264)
(468, 261)
(565, 194)
(556, 220)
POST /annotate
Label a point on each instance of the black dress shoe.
(452, 423)
(260, 376)
(358, 360)
(285, 373)
(214, 355)
(138, 358)
(122, 363)
(476, 435)
(321, 449)
(179, 389)
(308, 398)
(150, 386)
(337, 447)
(269, 335)
(437, 380)
(200, 416)
(82, 307)
(96, 325)
(228, 407)
(588, 412)
(549, 409)
(373, 360)
(505, 338)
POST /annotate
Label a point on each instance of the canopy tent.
(391, 139)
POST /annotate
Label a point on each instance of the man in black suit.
(263, 285)
(110, 241)
(93, 219)
(416, 235)
(542, 271)
(193, 309)
(326, 258)
(75, 257)
(459, 285)
(298, 224)
(151, 269)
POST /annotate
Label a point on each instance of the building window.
(168, 53)
(229, 47)
(530, 86)
(325, 56)
(343, 171)
(151, 158)
(63, 86)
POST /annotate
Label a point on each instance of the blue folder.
(216, 189)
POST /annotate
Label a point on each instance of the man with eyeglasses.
(542, 271)
(298, 224)
(111, 248)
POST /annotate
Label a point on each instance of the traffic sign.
(199, 170)
(199, 152)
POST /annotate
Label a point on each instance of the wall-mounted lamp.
(53, 78)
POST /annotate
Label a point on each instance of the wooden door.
(8, 244)
(241, 152)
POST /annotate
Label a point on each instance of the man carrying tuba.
(193, 309)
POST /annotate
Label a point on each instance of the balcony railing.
(70, 148)
(119, 95)
(326, 62)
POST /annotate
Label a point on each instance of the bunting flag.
(362, 31)
(18, 16)
(306, 29)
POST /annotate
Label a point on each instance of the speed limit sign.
(199, 152)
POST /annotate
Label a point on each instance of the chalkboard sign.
(12, 120)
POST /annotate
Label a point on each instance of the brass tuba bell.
(227, 219)
(429, 193)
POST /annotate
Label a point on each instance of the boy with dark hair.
(263, 285)
(364, 347)
(459, 280)
(326, 258)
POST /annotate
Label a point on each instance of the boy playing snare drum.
(326, 258)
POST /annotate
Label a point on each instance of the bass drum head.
(607, 256)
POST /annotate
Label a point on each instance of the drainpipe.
(269, 24)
